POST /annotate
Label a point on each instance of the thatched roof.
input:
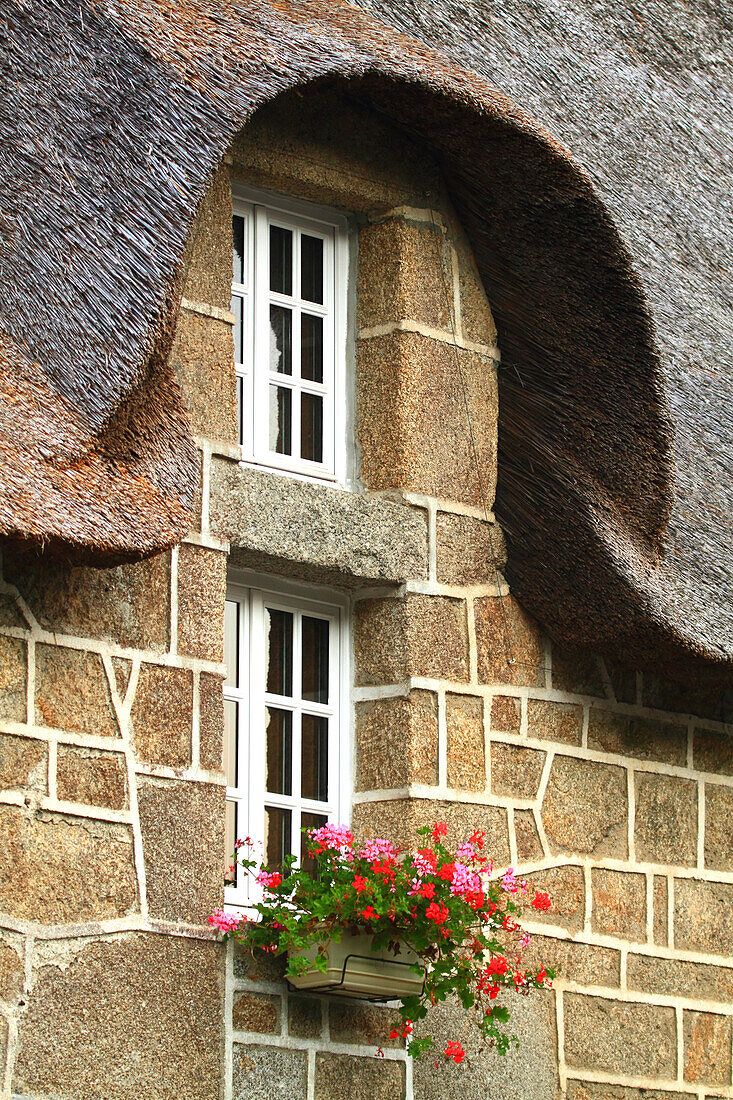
(614, 455)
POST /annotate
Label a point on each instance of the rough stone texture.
(256, 1012)
(23, 764)
(305, 1017)
(129, 604)
(719, 827)
(713, 751)
(92, 776)
(619, 904)
(661, 916)
(526, 1073)
(202, 358)
(13, 672)
(515, 771)
(666, 819)
(576, 671)
(509, 644)
(60, 869)
(703, 915)
(10, 613)
(269, 1073)
(258, 966)
(404, 274)
(211, 721)
(400, 818)
(561, 722)
(615, 1037)
(595, 1090)
(136, 1017)
(623, 683)
(506, 714)
(315, 531)
(574, 962)
(346, 156)
(566, 888)
(208, 263)
(707, 1039)
(412, 396)
(72, 692)
(161, 716)
(201, 595)
(529, 845)
(183, 843)
(640, 737)
(353, 1022)
(466, 749)
(339, 1075)
(469, 550)
(12, 970)
(585, 808)
(396, 742)
(416, 635)
(673, 977)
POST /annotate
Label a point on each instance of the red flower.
(541, 901)
(427, 890)
(447, 871)
(474, 898)
(542, 976)
(370, 913)
(437, 912)
(456, 1052)
(477, 839)
(439, 829)
(497, 965)
(360, 884)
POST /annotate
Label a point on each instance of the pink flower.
(464, 880)
(425, 861)
(331, 837)
(509, 882)
(377, 849)
(225, 922)
(269, 880)
(524, 940)
(466, 853)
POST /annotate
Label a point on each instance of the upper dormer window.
(289, 303)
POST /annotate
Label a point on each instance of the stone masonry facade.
(611, 790)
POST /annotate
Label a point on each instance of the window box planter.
(353, 969)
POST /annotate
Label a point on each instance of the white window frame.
(260, 209)
(253, 592)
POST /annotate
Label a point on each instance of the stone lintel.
(279, 523)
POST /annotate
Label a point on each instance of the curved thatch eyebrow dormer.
(112, 121)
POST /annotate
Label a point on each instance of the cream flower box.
(353, 969)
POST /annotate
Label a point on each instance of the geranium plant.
(445, 904)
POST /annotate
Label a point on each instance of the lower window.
(284, 750)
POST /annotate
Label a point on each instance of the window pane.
(309, 821)
(238, 311)
(314, 761)
(281, 411)
(281, 340)
(238, 259)
(311, 427)
(230, 835)
(277, 837)
(231, 643)
(311, 347)
(311, 267)
(231, 729)
(279, 652)
(279, 751)
(281, 260)
(315, 659)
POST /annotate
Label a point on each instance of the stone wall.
(607, 788)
